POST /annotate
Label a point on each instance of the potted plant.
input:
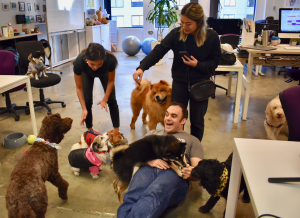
(162, 14)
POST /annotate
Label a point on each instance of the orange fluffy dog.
(154, 99)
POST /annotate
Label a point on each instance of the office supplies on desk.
(248, 32)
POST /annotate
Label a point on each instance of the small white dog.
(83, 156)
(275, 121)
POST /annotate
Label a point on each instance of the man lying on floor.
(156, 186)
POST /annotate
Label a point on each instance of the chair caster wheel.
(60, 72)
(63, 105)
(49, 112)
(17, 118)
(27, 111)
(25, 89)
(213, 97)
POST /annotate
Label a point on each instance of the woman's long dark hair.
(95, 51)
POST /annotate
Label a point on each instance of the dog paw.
(132, 126)
(203, 209)
(95, 176)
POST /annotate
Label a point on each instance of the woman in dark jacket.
(203, 46)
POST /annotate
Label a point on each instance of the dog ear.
(164, 82)
(95, 146)
(151, 86)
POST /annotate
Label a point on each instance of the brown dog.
(275, 121)
(26, 194)
(154, 99)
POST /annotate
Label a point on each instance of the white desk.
(9, 82)
(257, 53)
(237, 67)
(258, 160)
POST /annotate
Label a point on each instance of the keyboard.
(292, 47)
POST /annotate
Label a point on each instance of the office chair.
(26, 48)
(231, 39)
(7, 67)
(291, 106)
(294, 73)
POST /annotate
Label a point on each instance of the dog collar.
(47, 141)
(273, 126)
(223, 179)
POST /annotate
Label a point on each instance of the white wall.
(260, 10)
(10, 16)
(272, 8)
(206, 6)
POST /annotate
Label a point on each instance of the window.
(124, 14)
(181, 3)
(250, 3)
(137, 20)
(240, 9)
(117, 3)
(229, 3)
(228, 16)
(249, 16)
(119, 19)
(136, 3)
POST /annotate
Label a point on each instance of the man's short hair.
(185, 113)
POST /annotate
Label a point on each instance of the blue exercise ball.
(146, 45)
(131, 45)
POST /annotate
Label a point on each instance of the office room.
(59, 33)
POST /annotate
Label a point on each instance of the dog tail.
(144, 84)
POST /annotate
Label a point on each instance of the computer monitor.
(289, 23)
(260, 26)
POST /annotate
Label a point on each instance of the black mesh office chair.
(26, 48)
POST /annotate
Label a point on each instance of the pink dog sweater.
(94, 160)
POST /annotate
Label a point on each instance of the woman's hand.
(186, 172)
(103, 104)
(137, 76)
(83, 117)
(190, 61)
(158, 163)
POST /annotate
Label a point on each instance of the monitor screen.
(289, 23)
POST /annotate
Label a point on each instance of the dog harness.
(223, 179)
(47, 142)
(84, 158)
(90, 135)
(273, 126)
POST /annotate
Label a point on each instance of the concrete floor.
(96, 198)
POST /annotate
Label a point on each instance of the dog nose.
(157, 97)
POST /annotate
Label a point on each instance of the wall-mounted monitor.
(289, 23)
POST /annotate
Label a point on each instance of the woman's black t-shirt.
(80, 66)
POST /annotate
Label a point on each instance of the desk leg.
(234, 186)
(31, 108)
(238, 94)
(229, 83)
(247, 86)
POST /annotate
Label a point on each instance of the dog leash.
(273, 126)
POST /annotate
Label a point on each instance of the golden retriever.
(154, 99)
(275, 121)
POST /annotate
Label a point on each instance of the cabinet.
(66, 46)
(99, 34)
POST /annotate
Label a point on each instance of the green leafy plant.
(162, 14)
